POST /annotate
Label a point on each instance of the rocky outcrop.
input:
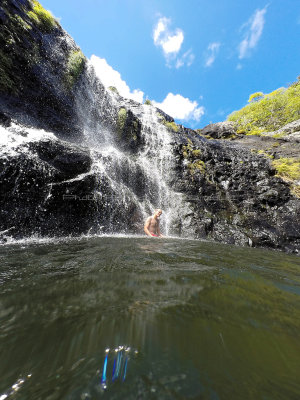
(38, 182)
(220, 130)
(235, 196)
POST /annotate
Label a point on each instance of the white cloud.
(255, 27)
(187, 58)
(170, 41)
(239, 66)
(111, 77)
(213, 49)
(177, 106)
(180, 107)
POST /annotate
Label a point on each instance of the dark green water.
(198, 320)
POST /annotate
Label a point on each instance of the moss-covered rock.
(288, 168)
(172, 126)
(75, 66)
(121, 121)
(128, 128)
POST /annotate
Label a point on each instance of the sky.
(197, 60)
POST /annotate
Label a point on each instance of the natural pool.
(177, 319)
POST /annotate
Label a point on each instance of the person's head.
(157, 212)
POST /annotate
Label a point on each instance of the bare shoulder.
(148, 220)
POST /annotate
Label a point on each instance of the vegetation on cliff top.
(268, 112)
(42, 17)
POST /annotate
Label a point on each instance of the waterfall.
(115, 184)
(136, 183)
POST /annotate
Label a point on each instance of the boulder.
(220, 130)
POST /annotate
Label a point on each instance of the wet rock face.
(38, 195)
(235, 196)
(34, 70)
(68, 160)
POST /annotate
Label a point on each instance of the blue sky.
(198, 60)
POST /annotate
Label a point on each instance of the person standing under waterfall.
(151, 226)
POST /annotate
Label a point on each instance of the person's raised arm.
(146, 226)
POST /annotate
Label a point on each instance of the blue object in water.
(125, 368)
(103, 380)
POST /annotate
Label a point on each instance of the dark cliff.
(69, 181)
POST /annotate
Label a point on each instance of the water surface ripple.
(140, 318)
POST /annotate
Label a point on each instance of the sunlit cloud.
(254, 28)
(111, 77)
(180, 107)
(170, 41)
(175, 105)
(213, 49)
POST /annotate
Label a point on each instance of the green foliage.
(21, 23)
(191, 156)
(113, 89)
(122, 116)
(75, 67)
(255, 132)
(265, 154)
(269, 112)
(197, 165)
(171, 126)
(42, 17)
(196, 153)
(295, 189)
(255, 97)
(288, 168)
(148, 102)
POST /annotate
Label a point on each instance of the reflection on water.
(136, 318)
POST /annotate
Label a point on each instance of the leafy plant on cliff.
(289, 170)
(122, 116)
(268, 112)
(172, 126)
(113, 89)
(148, 102)
(75, 67)
(197, 165)
(42, 17)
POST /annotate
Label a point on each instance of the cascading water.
(122, 184)
(137, 183)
